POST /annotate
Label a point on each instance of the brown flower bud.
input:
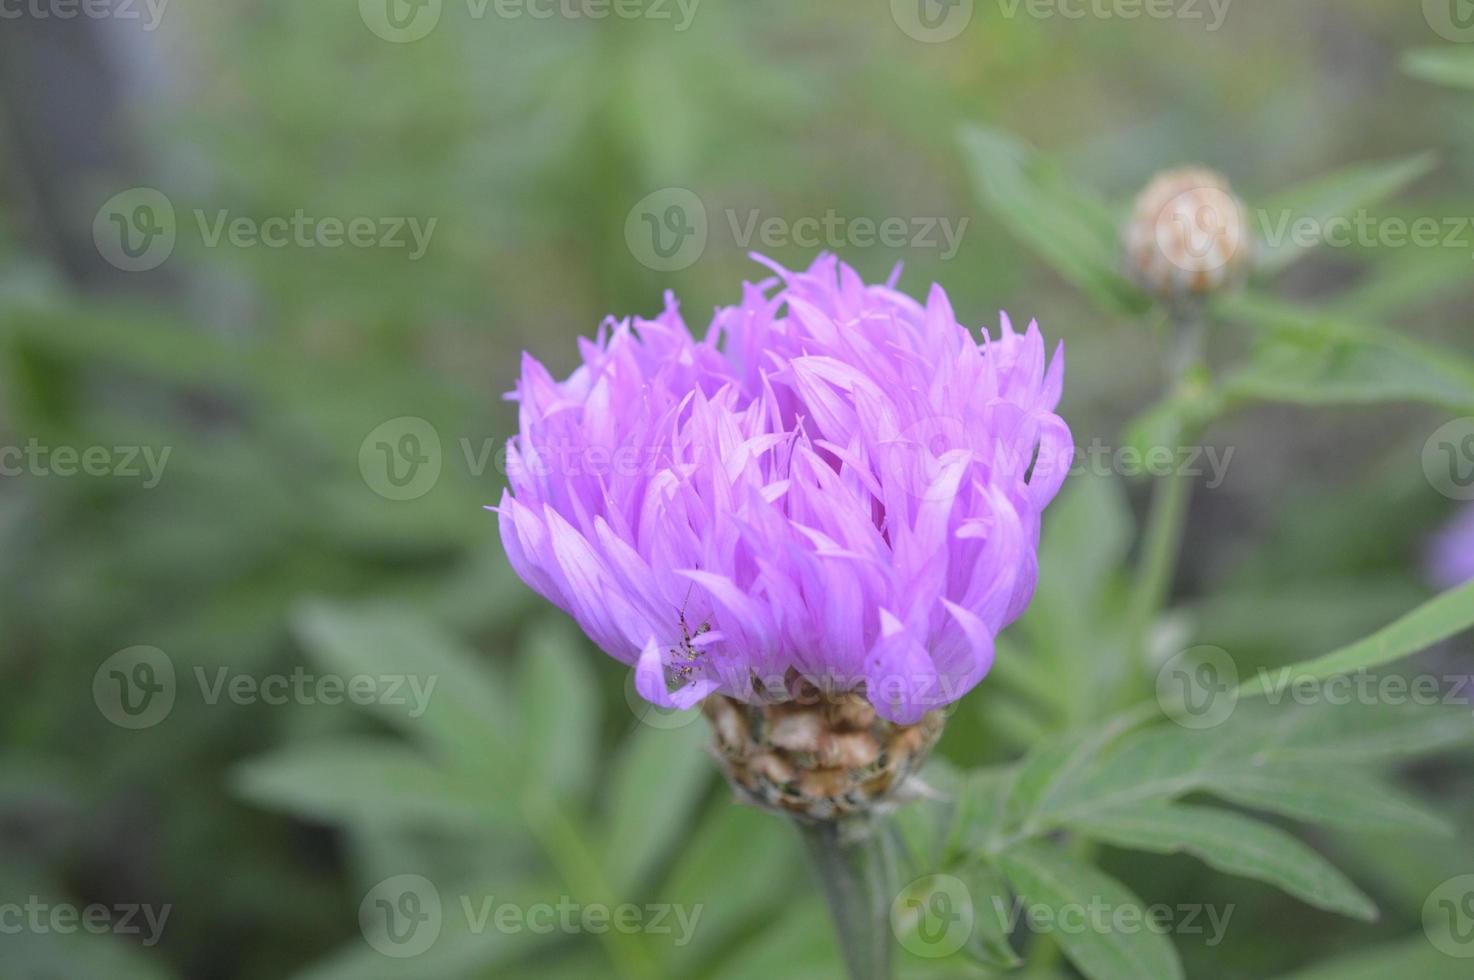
(822, 757)
(1188, 236)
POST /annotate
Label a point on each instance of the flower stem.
(859, 884)
(1167, 516)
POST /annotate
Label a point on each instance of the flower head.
(1189, 235)
(836, 485)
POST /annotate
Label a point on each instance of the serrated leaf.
(1326, 198)
(1043, 874)
(560, 709)
(365, 781)
(1064, 223)
(1442, 66)
(1232, 844)
(657, 780)
(1331, 796)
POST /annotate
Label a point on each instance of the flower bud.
(1188, 236)
(820, 756)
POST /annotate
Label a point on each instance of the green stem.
(1167, 517)
(859, 885)
(566, 845)
(1160, 550)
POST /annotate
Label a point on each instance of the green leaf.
(1166, 761)
(1043, 874)
(1443, 66)
(798, 944)
(465, 720)
(1342, 373)
(656, 783)
(738, 866)
(1061, 221)
(989, 943)
(1413, 958)
(366, 781)
(560, 705)
(1326, 198)
(463, 945)
(1332, 797)
(1233, 844)
(1434, 621)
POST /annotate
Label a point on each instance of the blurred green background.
(274, 540)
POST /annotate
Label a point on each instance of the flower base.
(818, 756)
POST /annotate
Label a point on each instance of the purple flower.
(1450, 559)
(835, 484)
